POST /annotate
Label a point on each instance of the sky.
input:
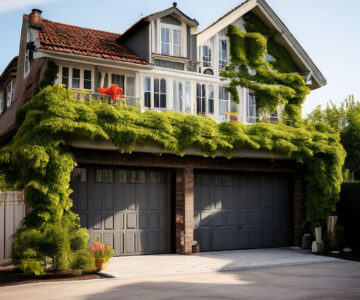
(328, 30)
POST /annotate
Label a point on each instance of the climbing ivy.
(274, 82)
(39, 162)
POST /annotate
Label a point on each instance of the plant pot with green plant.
(102, 254)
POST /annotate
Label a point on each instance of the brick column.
(184, 210)
(298, 208)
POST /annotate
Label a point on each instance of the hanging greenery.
(38, 161)
(275, 82)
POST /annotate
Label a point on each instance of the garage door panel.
(154, 220)
(119, 220)
(84, 220)
(143, 223)
(242, 210)
(98, 200)
(131, 221)
(109, 222)
(140, 196)
(130, 242)
(109, 196)
(130, 196)
(108, 239)
(97, 221)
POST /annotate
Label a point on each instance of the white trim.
(230, 18)
(171, 58)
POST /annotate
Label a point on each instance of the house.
(152, 201)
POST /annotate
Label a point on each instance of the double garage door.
(241, 210)
(129, 209)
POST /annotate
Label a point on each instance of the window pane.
(76, 78)
(147, 99)
(130, 87)
(65, 76)
(163, 100)
(211, 99)
(177, 42)
(156, 85)
(118, 80)
(187, 96)
(156, 100)
(87, 79)
(165, 41)
(163, 86)
(147, 82)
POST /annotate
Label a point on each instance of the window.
(65, 76)
(211, 99)
(206, 56)
(187, 96)
(200, 99)
(171, 41)
(118, 80)
(79, 175)
(178, 95)
(165, 41)
(87, 79)
(130, 87)
(75, 79)
(104, 175)
(147, 91)
(251, 111)
(223, 101)
(160, 92)
(176, 42)
(222, 53)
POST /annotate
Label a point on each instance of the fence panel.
(12, 211)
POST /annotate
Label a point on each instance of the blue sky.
(329, 30)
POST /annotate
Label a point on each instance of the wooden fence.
(12, 211)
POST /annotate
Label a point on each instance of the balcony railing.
(126, 100)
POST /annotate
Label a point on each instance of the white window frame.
(171, 29)
(178, 104)
(152, 92)
(208, 63)
(70, 78)
(250, 119)
(222, 101)
(223, 62)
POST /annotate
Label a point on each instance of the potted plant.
(102, 254)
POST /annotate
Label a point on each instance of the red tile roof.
(84, 41)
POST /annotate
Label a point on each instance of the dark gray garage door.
(128, 209)
(241, 210)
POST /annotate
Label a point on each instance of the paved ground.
(336, 280)
(172, 264)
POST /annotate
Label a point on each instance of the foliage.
(83, 259)
(274, 83)
(99, 250)
(49, 76)
(33, 267)
(38, 161)
(346, 120)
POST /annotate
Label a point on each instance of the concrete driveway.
(172, 264)
(336, 280)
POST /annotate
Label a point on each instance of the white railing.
(126, 100)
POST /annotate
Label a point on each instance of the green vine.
(275, 82)
(38, 161)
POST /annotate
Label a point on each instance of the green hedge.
(348, 210)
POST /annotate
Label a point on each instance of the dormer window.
(171, 40)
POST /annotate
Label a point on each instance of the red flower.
(114, 91)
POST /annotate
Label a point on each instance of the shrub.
(32, 267)
(83, 259)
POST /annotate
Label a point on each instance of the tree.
(346, 120)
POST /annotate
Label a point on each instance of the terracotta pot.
(318, 234)
(100, 265)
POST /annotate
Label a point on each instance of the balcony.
(87, 96)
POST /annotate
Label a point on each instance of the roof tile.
(84, 41)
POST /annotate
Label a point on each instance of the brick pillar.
(299, 199)
(184, 210)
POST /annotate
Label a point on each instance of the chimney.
(34, 18)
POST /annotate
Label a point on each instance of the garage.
(240, 210)
(128, 208)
